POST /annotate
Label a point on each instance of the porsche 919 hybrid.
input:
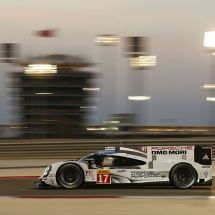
(179, 166)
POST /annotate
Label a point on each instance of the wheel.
(70, 176)
(183, 176)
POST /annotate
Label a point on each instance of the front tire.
(70, 176)
(183, 176)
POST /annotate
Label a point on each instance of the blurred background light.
(208, 86)
(110, 129)
(143, 61)
(88, 107)
(209, 39)
(139, 98)
(91, 89)
(212, 99)
(106, 40)
(40, 69)
(44, 93)
(111, 121)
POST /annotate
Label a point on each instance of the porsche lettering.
(170, 148)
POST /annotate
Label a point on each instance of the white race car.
(179, 166)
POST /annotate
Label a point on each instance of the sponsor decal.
(144, 174)
(170, 150)
(121, 170)
(181, 152)
(103, 177)
(144, 149)
(205, 157)
(205, 174)
(88, 173)
(205, 166)
(109, 148)
(103, 171)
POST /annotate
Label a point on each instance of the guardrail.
(72, 149)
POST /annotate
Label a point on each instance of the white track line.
(6, 197)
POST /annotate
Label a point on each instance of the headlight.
(47, 171)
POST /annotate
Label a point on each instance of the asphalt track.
(103, 200)
(24, 187)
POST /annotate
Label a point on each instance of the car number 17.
(103, 177)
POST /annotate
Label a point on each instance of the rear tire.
(70, 176)
(183, 176)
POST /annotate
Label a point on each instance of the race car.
(179, 166)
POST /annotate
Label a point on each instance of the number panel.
(103, 177)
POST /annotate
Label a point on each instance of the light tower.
(209, 44)
(108, 60)
(139, 59)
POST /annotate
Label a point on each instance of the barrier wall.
(72, 149)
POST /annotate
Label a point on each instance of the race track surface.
(103, 200)
(25, 187)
